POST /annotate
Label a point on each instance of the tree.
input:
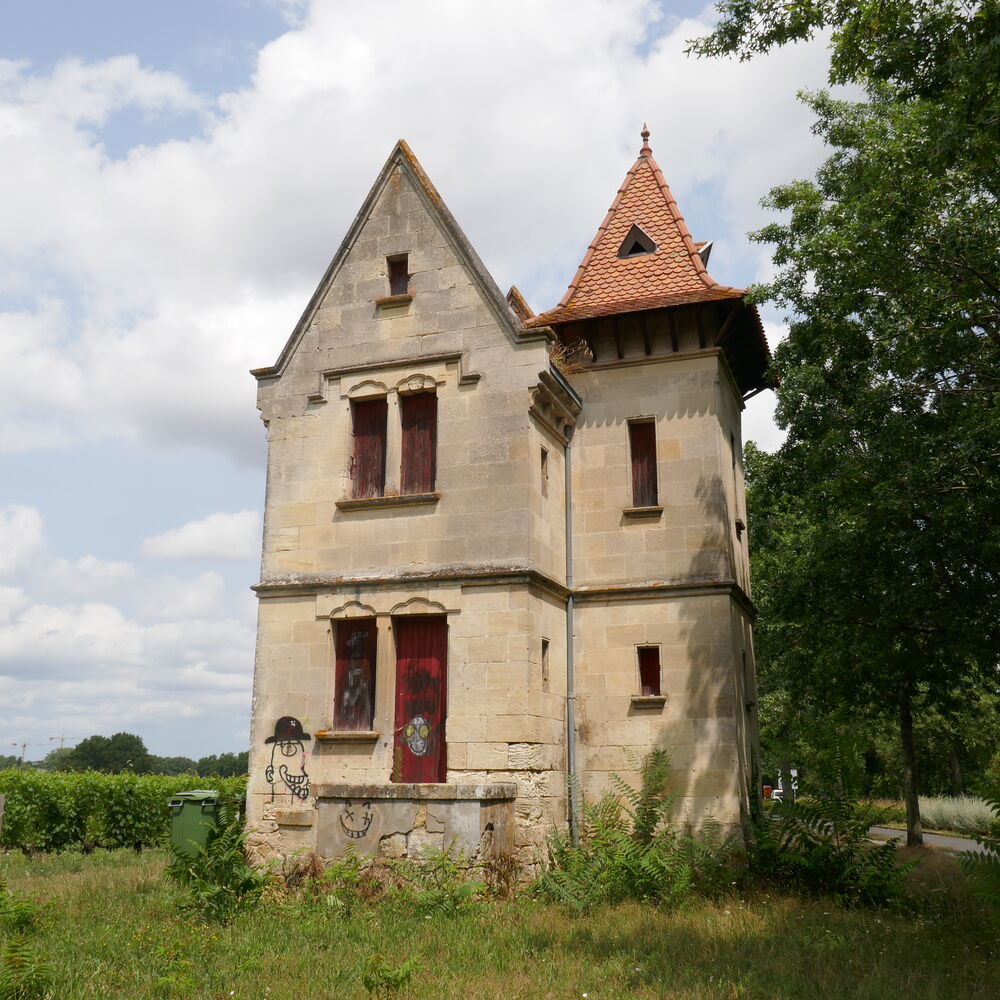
(173, 765)
(112, 754)
(8, 760)
(226, 765)
(875, 525)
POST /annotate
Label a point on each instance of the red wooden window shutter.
(649, 669)
(354, 682)
(419, 752)
(418, 416)
(368, 464)
(642, 442)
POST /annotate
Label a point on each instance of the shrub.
(53, 811)
(819, 843)
(965, 814)
(219, 882)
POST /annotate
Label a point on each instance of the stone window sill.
(347, 736)
(392, 301)
(638, 512)
(649, 700)
(369, 503)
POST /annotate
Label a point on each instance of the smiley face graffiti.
(288, 741)
(417, 733)
(356, 819)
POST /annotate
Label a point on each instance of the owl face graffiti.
(356, 819)
(416, 734)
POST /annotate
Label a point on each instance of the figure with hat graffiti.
(288, 741)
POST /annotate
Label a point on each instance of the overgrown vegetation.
(627, 850)
(112, 931)
(218, 881)
(56, 811)
(983, 868)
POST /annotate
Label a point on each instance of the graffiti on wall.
(287, 744)
(356, 709)
(356, 818)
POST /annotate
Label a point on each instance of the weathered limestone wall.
(505, 717)
(697, 719)
(442, 340)
(690, 539)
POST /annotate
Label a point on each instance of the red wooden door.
(421, 696)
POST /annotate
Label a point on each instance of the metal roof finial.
(646, 150)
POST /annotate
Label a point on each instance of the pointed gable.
(402, 165)
(642, 256)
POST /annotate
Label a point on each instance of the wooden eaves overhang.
(643, 280)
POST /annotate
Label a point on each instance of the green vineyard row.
(55, 811)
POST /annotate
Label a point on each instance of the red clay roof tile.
(673, 274)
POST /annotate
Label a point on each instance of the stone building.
(501, 548)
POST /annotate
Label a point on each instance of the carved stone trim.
(369, 503)
(345, 736)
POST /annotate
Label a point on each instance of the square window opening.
(649, 670)
(642, 449)
(418, 468)
(368, 420)
(354, 682)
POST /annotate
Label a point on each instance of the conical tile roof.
(611, 281)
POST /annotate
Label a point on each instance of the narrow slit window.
(642, 446)
(545, 664)
(368, 419)
(418, 417)
(545, 472)
(399, 274)
(649, 670)
(354, 685)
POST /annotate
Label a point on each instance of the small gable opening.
(636, 243)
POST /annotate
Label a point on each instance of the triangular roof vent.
(636, 243)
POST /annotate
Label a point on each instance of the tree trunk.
(956, 773)
(914, 834)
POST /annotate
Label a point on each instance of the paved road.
(955, 844)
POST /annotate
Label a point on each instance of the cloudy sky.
(174, 178)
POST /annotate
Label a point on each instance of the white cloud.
(218, 536)
(168, 273)
(91, 645)
(20, 537)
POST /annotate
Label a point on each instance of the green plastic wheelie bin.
(193, 815)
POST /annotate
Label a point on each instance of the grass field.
(110, 929)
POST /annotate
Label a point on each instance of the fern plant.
(24, 974)
(17, 913)
(626, 849)
(983, 867)
(384, 980)
(819, 843)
